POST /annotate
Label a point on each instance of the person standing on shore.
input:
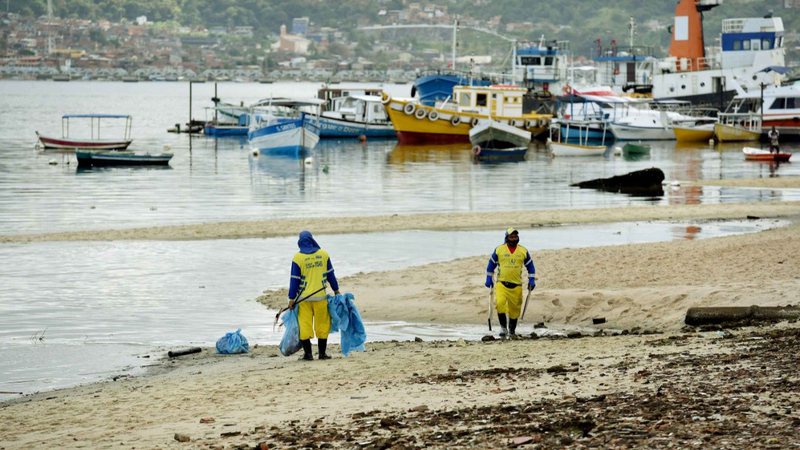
(773, 135)
(312, 271)
(509, 259)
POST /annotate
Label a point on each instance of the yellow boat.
(420, 124)
(738, 127)
(697, 133)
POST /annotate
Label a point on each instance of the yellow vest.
(313, 273)
(509, 266)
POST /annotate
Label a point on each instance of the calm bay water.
(99, 305)
(220, 180)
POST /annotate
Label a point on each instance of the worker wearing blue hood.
(508, 259)
(312, 271)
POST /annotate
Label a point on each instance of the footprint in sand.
(556, 302)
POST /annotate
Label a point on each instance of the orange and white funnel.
(687, 45)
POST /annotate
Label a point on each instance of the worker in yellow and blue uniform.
(508, 259)
(312, 271)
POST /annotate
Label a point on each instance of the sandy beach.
(642, 379)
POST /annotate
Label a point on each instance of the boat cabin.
(496, 100)
(357, 108)
(328, 93)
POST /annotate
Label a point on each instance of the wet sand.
(658, 385)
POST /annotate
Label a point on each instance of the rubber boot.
(512, 328)
(307, 355)
(501, 317)
(323, 345)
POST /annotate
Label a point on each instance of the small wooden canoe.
(757, 154)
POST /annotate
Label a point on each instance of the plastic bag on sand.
(233, 342)
(290, 342)
(346, 320)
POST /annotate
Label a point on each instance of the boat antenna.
(632, 28)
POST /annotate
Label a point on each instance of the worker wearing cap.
(508, 259)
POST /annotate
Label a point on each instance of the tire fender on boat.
(386, 98)
(455, 120)
(476, 150)
(409, 108)
(420, 113)
(530, 123)
(433, 116)
(475, 121)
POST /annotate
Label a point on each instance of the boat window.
(766, 44)
(548, 61)
(756, 44)
(464, 99)
(737, 45)
(792, 103)
(778, 103)
(746, 44)
(480, 100)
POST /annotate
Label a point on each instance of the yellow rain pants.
(509, 301)
(313, 318)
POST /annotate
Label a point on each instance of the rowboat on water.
(757, 154)
(92, 140)
(89, 158)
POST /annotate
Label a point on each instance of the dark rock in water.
(640, 183)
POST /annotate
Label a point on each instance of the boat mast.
(632, 27)
(455, 30)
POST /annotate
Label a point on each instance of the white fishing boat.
(285, 125)
(560, 147)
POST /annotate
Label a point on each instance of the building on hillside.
(300, 26)
(291, 43)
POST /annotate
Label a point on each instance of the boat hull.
(286, 136)
(757, 154)
(693, 134)
(224, 130)
(330, 127)
(566, 149)
(94, 144)
(730, 133)
(494, 135)
(505, 154)
(448, 126)
(108, 159)
(624, 132)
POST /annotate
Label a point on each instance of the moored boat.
(694, 133)
(635, 148)
(93, 140)
(89, 158)
(355, 116)
(280, 125)
(493, 140)
(757, 154)
(450, 123)
(567, 149)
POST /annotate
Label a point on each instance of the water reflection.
(405, 154)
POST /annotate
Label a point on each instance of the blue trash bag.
(290, 342)
(346, 320)
(233, 342)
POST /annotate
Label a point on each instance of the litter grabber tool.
(295, 302)
(525, 305)
(491, 307)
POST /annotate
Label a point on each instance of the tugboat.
(749, 46)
